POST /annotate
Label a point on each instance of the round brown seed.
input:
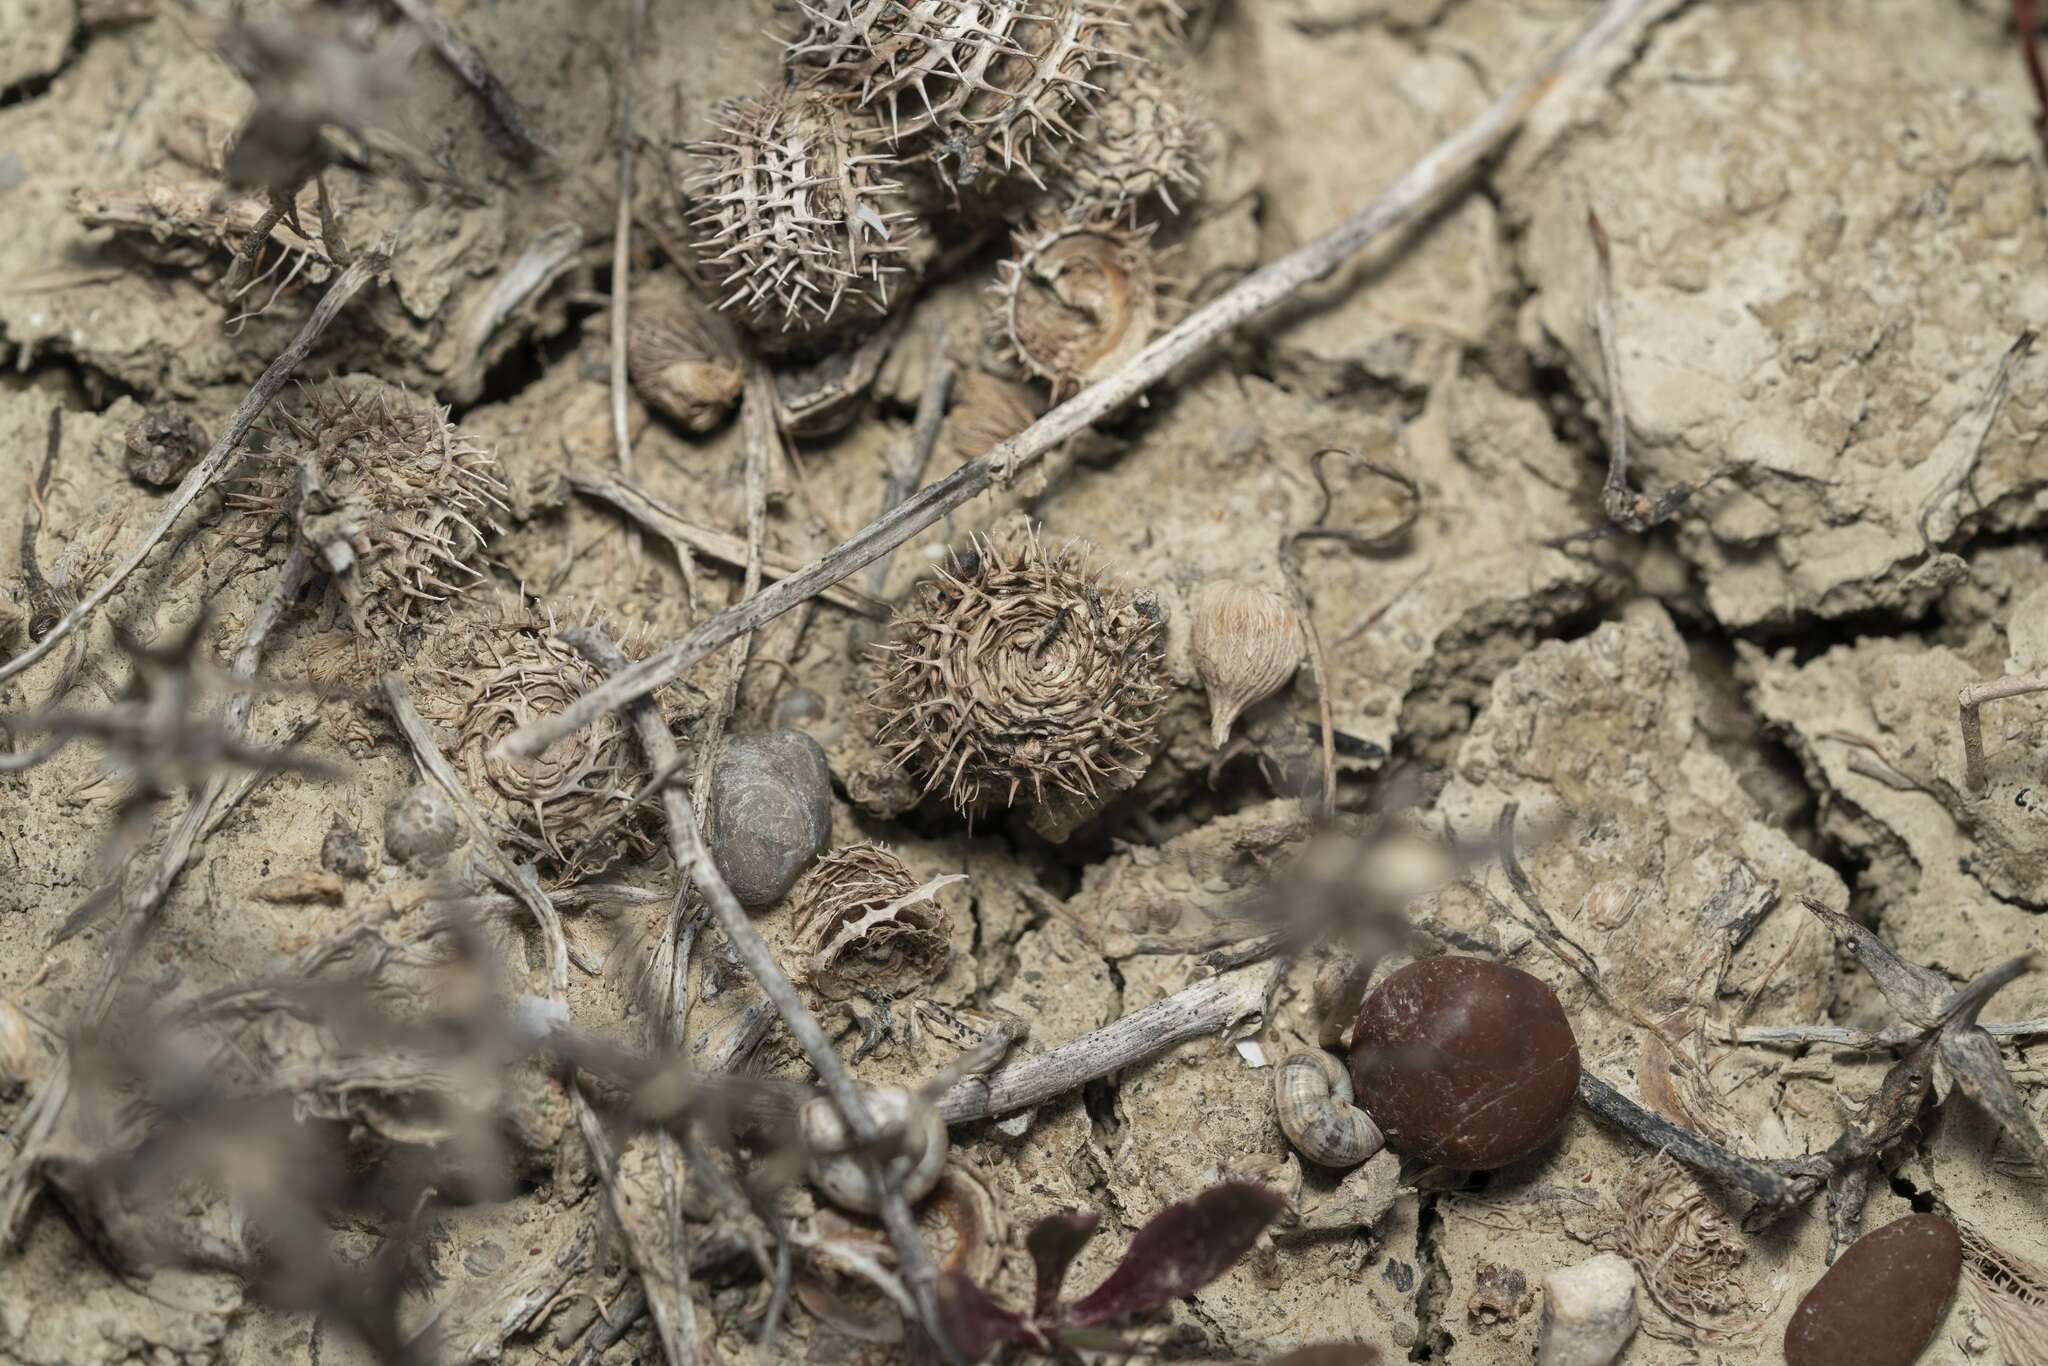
(1882, 1299)
(1464, 1063)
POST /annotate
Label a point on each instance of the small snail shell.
(909, 1131)
(771, 812)
(1312, 1098)
(1247, 644)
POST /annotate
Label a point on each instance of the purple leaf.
(973, 1322)
(1053, 1241)
(1329, 1354)
(1181, 1250)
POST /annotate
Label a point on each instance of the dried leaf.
(973, 1322)
(1920, 995)
(1964, 1004)
(1053, 1241)
(1182, 1249)
(1972, 1058)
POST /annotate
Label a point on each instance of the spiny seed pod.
(910, 1128)
(987, 411)
(1075, 301)
(868, 925)
(396, 502)
(1138, 141)
(1312, 1099)
(799, 216)
(1022, 671)
(971, 79)
(559, 809)
(771, 812)
(1247, 644)
(679, 363)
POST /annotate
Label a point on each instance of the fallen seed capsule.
(1881, 1301)
(1464, 1063)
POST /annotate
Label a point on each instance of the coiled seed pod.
(978, 81)
(396, 501)
(799, 215)
(1019, 671)
(1075, 301)
(560, 808)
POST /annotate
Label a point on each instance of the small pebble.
(1882, 1300)
(162, 445)
(1589, 1312)
(1464, 1063)
(771, 812)
(420, 826)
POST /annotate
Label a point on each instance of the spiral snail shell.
(1312, 1100)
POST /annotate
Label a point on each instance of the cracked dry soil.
(1828, 226)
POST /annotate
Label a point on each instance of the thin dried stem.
(1401, 204)
(469, 64)
(622, 231)
(1959, 474)
(1975, 696)
(345, 287)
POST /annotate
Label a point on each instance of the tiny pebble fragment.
(1589, 1312)
(1882, 1300)
(771, 812)
(343, 851)
(1464, 1063)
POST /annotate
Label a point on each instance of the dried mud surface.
(1828, 227)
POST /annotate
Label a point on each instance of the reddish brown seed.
(1464, 1063)
(1882, 1299)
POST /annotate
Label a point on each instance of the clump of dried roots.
(979, 83)
(868, 925)
(1019, 670)
(561, 809)
(800, 221)
(1687, 1251)
(395, 501)
(1076, 301)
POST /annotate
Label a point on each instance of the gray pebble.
(420, 826)
(771, 812)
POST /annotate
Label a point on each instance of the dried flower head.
(1247, 644)
(1075, 301)
(680, 363)
(1022, 670)
(1138, 141)
(970, 79)
(559, 809)
(798, 214)
(868, 925)
(395, 501)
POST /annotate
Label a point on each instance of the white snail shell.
(1312, 1098)
(910, 1131)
